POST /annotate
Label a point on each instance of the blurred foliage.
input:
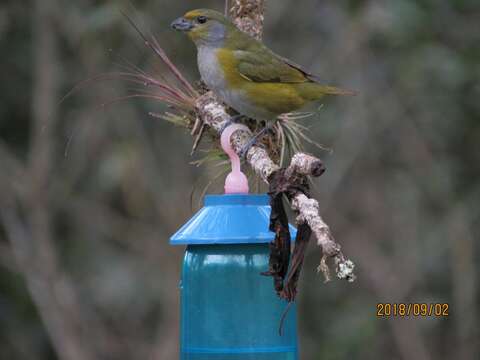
(401, 192)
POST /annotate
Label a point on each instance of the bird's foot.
(236, 118)
(253, 141)
(233, 120)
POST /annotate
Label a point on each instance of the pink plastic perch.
(236, 182)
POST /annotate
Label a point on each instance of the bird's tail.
(313, 91)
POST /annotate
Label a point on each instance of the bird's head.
(204, 26)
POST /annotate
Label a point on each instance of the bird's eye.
(202, 19)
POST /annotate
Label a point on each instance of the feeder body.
(229, 311)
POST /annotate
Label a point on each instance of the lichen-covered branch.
(247, 15)
(214, 114)
(304, 164)
(308, 212)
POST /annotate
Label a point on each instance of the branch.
(213, 113)
(247, 15)
(308, 212)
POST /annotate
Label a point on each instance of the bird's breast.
(218, 69)
(210, 70)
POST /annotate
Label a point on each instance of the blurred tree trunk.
(32, 241)
(464, 280)
(43, 280)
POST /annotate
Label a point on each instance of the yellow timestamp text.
(412, 309)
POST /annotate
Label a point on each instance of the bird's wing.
(308, 75)
(332, 90)
(262, 65)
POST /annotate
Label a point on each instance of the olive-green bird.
(244, 73)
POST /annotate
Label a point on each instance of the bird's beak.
(182, 24)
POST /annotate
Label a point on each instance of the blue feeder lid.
(229, 219)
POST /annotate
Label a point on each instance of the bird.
(244, 73)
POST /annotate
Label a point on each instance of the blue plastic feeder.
(228, 310)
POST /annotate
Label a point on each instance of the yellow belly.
(276, 98)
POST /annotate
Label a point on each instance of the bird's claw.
(233, 120)
(253, 141)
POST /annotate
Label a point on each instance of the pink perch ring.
(236, 182)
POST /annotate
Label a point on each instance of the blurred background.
(90, 194)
